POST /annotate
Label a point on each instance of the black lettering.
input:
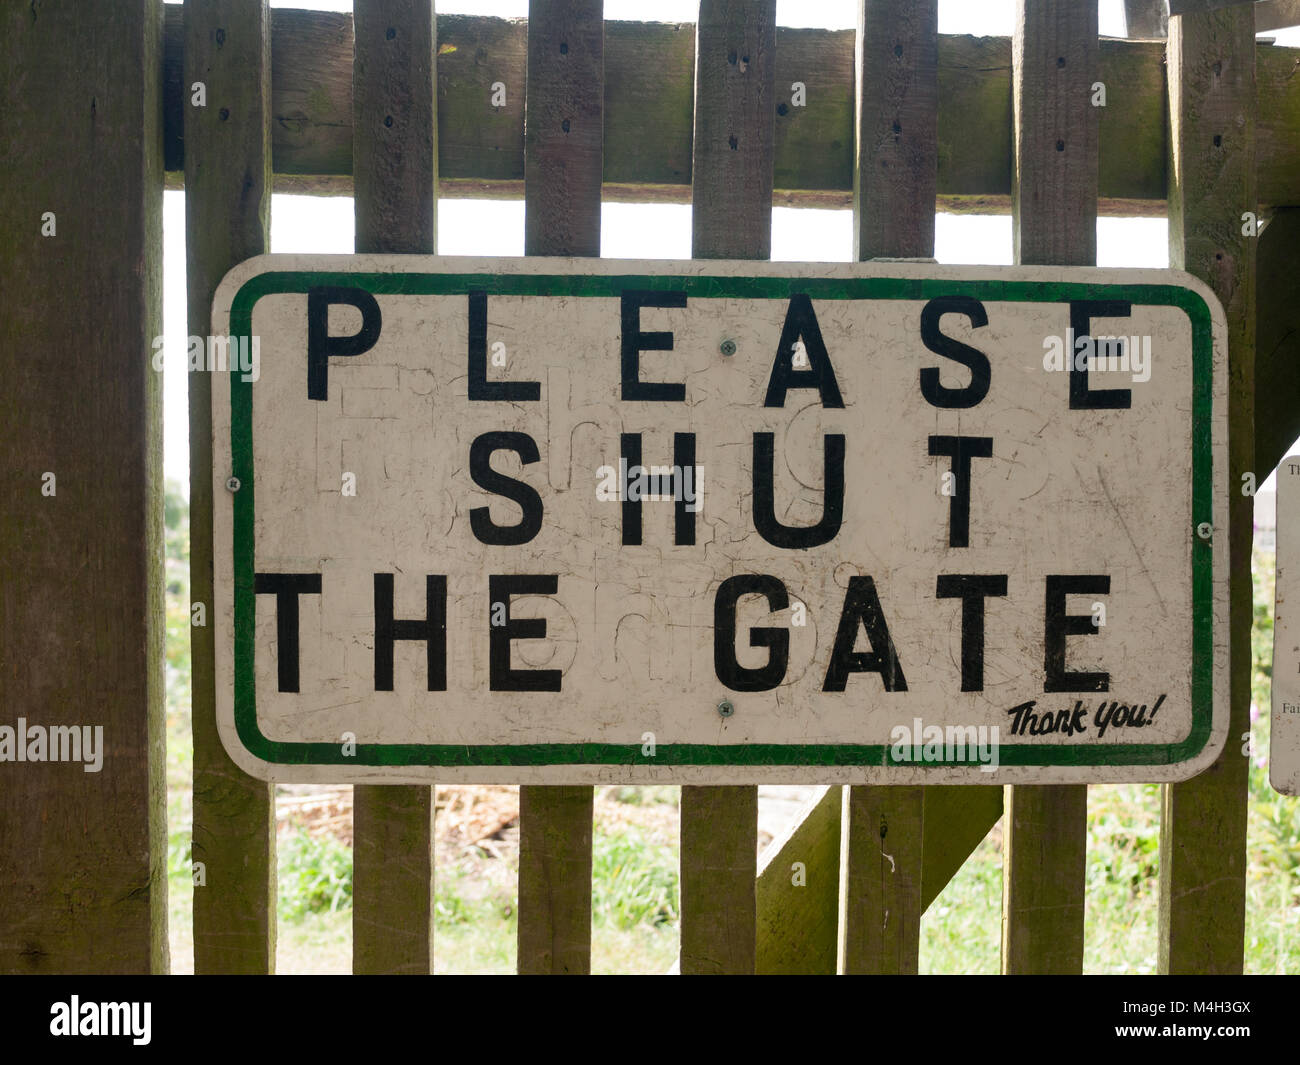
(862, 607)
(634, 342)
(972, 358)
(683, 460)
(525, 495)
(971, 589)
(1081, 396)
(730, 672)
(961, 449)
(432, 630)
(765, 520)
(286, 587)
(480, 388)
(1058, 625)
(801, 324)
(501, 677)
(321, 347)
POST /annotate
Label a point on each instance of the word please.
(801, 359)
(860, 611)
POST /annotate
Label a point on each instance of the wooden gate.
(97, 112)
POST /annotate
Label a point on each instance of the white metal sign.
(545, 520)
(1284, 725)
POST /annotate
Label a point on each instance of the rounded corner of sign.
(250, 763)
(1202, 290)
(1199, 762)
(1283, 785)
(234, 279)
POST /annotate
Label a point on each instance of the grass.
(961, 931)
(635, 861)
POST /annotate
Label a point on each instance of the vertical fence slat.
(1212, 182)
(731, 217)
(563, 162)
(227, 212)
(1054, 219)
(394, 160)
(82, 854)
(895, 177)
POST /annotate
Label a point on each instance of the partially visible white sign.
(1284, 742)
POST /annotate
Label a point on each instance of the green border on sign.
(748, 754)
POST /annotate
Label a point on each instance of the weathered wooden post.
(394, 168)
(731, 218)
(83, 850)
(1212, 183)
(227, 215)
(563, 168)
(894, 176)
(1054, 202)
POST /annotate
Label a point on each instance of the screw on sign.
(940, 636)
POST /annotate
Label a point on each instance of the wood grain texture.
(1212, 123)
(895, 179)
(566, 71)
(1146, 18)
(881, 862)
(822, 60)
(719, 861)
(798, 893)
(1054, 196)
(648, 116)
(896, 153)
(732, 174)
(1277, 344)
(648, 100)
(959, 817)
(394, 163)
(554, 880)
(227, 214)
(392, 879)
(395, 126)
(1276, 15)
(1044, 848)
(1054, 220)
(1193, 7)
(735, 111)
(798, 927)
(562, 159)
(83, 881)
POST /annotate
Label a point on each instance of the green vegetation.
(634, 860)
(315, 875)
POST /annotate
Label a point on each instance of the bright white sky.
(647, 231)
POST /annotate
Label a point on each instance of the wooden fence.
(97, 114)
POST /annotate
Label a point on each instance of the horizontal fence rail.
(648, 100)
